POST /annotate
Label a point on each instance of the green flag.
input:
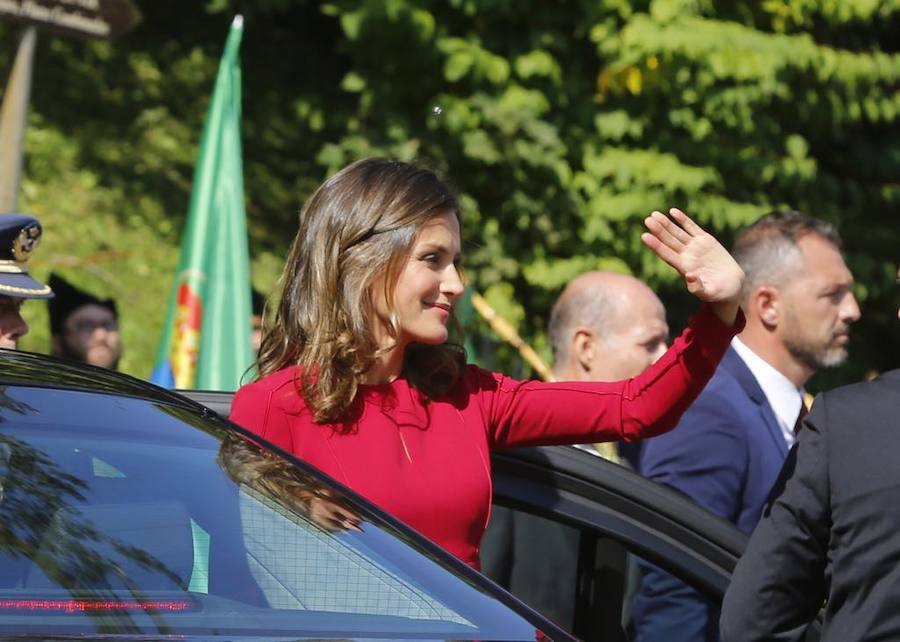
(206, 338)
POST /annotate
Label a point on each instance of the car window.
(589, 583)
(118, 515)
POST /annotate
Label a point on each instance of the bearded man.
(828, 535)
(728, 448)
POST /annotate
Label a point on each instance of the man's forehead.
(649, 326)
(823, 261)
(91, 311)
(817, 250)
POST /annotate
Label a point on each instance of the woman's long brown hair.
(360, 225)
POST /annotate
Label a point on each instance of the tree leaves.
(562, 124)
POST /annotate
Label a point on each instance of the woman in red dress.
(357, 376)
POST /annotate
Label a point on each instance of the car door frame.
(608, 500)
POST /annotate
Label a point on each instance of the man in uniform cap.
(19, 235)
(83, 327)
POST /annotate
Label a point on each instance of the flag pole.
(14, 120)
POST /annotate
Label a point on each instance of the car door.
(582, 530)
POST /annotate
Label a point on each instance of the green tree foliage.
(562, 124)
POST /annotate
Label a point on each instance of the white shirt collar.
(783, 396)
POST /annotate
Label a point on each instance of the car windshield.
(121, 515)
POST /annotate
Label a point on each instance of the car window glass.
(590, 584)
(121, 516)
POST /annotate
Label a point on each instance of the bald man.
(604, 327)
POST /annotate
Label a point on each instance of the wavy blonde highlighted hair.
(359, 226)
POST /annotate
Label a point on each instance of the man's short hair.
(767, 250)
(595, 307)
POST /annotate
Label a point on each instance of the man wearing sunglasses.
(83, 327)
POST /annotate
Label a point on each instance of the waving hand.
(710, 272)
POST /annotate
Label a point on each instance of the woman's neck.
(387, 367)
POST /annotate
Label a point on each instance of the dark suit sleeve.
(665, 609)
(705, 458)
(779, 583)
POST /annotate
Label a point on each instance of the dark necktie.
(799, 423)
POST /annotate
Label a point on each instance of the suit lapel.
(742, 374)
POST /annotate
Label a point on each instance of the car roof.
(41, 371)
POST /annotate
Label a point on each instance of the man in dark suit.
(728, 448)
(832, 531)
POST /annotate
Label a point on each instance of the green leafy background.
(561, 123)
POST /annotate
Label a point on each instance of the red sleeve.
(520, 413)
(253, 409)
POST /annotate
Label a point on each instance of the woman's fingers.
(662, 250)
(667, 231)
(686, 224)
(709, 271)
(333, 517)
(348, 520)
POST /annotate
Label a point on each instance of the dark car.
(598, 523)
(592, 523)
(131, 512)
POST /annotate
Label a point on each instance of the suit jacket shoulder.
(860, 429)
(728, 399)
(865, 401)
(727, 449)
(831, 529)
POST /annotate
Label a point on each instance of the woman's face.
(429, 283)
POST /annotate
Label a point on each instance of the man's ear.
(584, 349)
(767, 302)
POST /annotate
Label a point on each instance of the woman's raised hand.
(332, 515)
(710, 272)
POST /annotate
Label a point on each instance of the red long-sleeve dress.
(428, 464)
